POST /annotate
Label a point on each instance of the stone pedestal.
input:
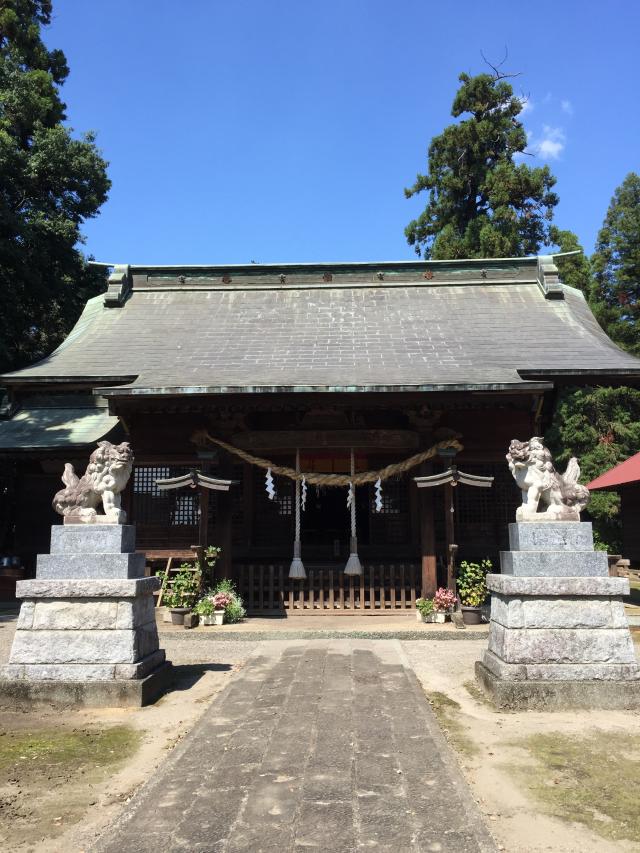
(559, 635)
(86, 632)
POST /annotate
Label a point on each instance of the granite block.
(135, 611)
(93, 538)
(80, 566)
(76, 615)
(551, 536)
(561, 646)
(554, 563)
(59, 672)
(548, 695)
(560, 586)
(561, 672)
(76, 588)
(72, 646)
(541, 612)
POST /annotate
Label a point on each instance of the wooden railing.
(382, 588)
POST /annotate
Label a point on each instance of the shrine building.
(306, 367)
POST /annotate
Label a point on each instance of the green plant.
(184, 588)
(425, 606)
(472, 582)
(235, 610)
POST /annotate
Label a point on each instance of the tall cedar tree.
(50, 183)
(602, 425)
(482, 204)
(616, 267)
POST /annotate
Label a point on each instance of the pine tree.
(481, 202)
(50, 183)
(616, 266)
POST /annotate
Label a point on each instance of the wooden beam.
(363, 439)
(429, 581)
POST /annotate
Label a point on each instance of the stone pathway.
(325, 745)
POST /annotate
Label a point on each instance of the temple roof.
(419, 325)
(624, 474)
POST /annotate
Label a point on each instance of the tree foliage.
(601, 426)
(50, 183)
(616, 267)
(481, 202)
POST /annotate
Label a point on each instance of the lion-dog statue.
(107, 473)
(562, 495)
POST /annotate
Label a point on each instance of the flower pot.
(440, 616)
(218, 617)
(178, 614)
(471, 615)
(208, 620)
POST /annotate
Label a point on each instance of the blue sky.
(285, 130)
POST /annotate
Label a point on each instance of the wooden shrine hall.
(241, 372)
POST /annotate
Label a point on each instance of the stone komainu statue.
(564, 497)
(107, 473)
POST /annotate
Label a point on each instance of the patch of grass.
(593, 780)
(447, 711)
(478, 695)
(68, 749)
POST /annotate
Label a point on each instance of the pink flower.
(220, 600)
(444, 599)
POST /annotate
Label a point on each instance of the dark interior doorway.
(326, 522)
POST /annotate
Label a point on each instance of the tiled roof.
(398, 329)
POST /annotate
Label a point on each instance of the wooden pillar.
(203, 533)
(449, 534)
(223, 533)
(429, 582)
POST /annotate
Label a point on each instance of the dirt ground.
(64, 777)
(534, 774)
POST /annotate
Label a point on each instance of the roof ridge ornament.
(548, 277)
(118, 286)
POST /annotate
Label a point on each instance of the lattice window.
(273, 519)
(391, 524)
(174, 508)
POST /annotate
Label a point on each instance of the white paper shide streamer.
(378, 498)
(271, 491)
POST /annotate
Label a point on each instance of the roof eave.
(203, 390)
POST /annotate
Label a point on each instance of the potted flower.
(220, 602)
(182, 593)
(443, 603)
(424, 610)
(205, 610)
(472, 589)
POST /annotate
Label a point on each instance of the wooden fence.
(267, 589)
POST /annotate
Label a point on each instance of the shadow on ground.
(186, 675)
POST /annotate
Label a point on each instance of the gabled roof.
(418, 325)
(621, 475)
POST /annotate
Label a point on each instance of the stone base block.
(561, 645)
(537, 587)
(554, 563)
(544, 695)
(560, 671)
(557, 612)
(93, 539)
(71, 588)
(83, 671)
(78, 566)
(125, 693)
(551, 536)
(84, 646)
